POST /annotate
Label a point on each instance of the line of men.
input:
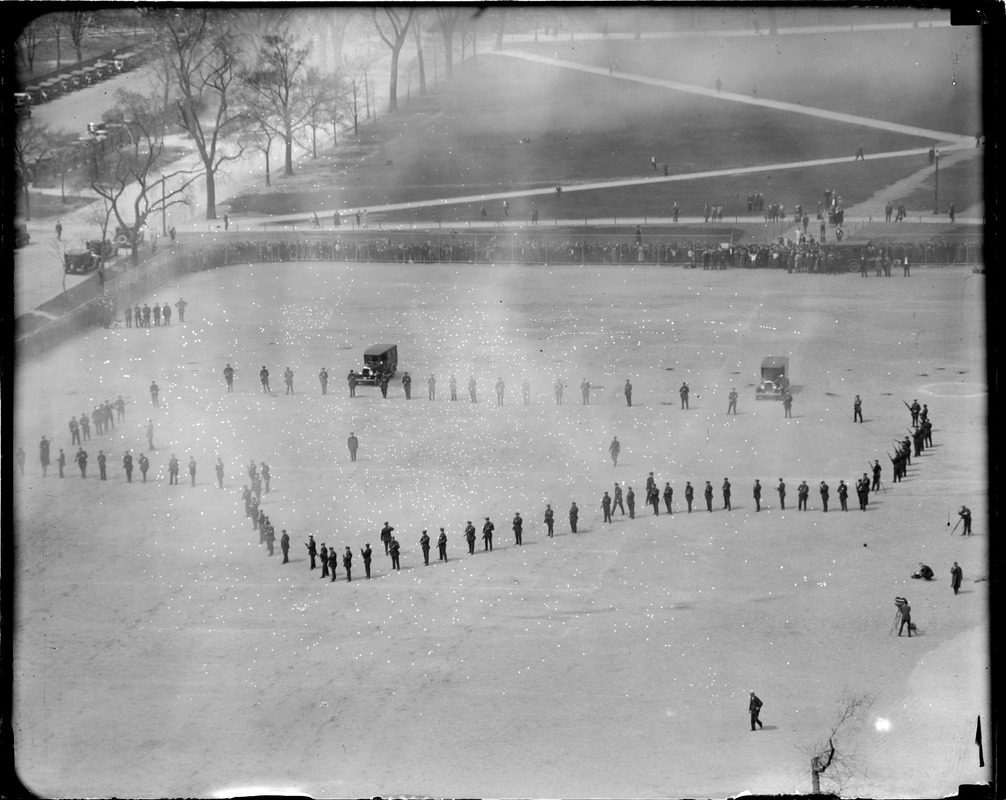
(104, 417)
(145, 315)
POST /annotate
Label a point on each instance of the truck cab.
(774, 378)
(381, 359)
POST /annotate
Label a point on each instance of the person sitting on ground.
(926, 573)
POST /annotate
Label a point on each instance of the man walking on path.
(754, 709)
(614, 448)
(956, 576)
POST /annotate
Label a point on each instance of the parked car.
(79, 262)
(848, 256)
(21, 235)
(124, 237)
(22, 104)
(103, 249)
(381, 359)
(774, 378)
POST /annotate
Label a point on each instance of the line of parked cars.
(71, 80)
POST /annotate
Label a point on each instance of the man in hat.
(323, 378)
(726, 494)
(487, 535)
(843, 495)
(857, 410)
(518, 526)
(708, 494)
(732, 406)
(956, 576)
(263, 376)
(877, 469)
(312, 550)
(802, 493)
(689, 495)
(424, 544)
(614, 448)
(353, 444)
(824, 495)
(549, 519)
(965, 515)
(394, 549)
(606, 507)
(347, 563)
(284, 545)
(407, 385)
(367, 554)
(781, 488)
(754, 709)
(442, 546)
(386, 536)
(470, 537)
(574, 515)
(756, 493)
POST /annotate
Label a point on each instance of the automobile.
(99, 130)
(21, 235)
(103, 249)
(774, 378)
(124, 236)
(35, 93)
(79, 262)
(381, 359)
(848, 256)
(50, 89)
(22, 104)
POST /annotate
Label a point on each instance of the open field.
(153, 630)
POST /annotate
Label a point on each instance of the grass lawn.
(960, 184)
(47, 205)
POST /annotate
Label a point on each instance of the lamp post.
(936, 185)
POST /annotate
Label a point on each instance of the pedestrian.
(781, 488)
(173, 470)
(470, 537)
(432, 384)
(352, 380)
(266, 477)
(81, 459)
(574, 515)
(407, 385)
(181, 304)
(689, 495)
(128, 314)
(630, 501)
(585, 391)
(471, 388)
(323, 380)
(454, 387)
(156, 314)
(395, 550)
(754, 709)
(628, 393)
(824, 496)
(59, 230)
(220, 473)
(127, 465)
(683, 392)
(227, 221)
(668, 496)
(857, 410)
(617, 500)
(386, 537)
(61, 461)
(708, 494)
(549, 519)
(956, 576)
(732, 397)
(859, 154)
(558, 392)
(312, 550)
(726, 495)
(166, 313)
(787, 404)
(323, 558)
(353, 444)
(102, 462)
(965, 515)
(263, 377)
(442, 546)
(229, 377)
(905, 612)
(347, 564)
(843, 495)
(74, 431)
(907, 273)
(171, 233)
(614, 449)
(270, 538)
(487, 535)
(192, 470)
(284, 545)
(384, 380)
(952, 212)
(802, 493)
(144, 463)
(155, 391)
(43, 455)
(367, 554)
(606, 507)
(424, 543)
(499, 391)
(288, 380)
(756, 493)
(518, 528)
(877, 470)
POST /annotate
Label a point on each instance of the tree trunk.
(449, 54)
(314, 143)
(268, 178)
(335, 131)
(288, 155)
(815, 776)
(80, 56)
(393, 87)
(419, 59)
(59, 50)
(27, 203)
(211, 193)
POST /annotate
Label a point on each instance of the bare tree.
(27, 43)
(417, 32)
(320, 93)
(55, 24)
(78, 23)
(32, 141)
(259, 135)
(447, 20)
(136, 177)
(274, 89)
(398, 31)
(354, 92)
(835, 753)
(199, 50)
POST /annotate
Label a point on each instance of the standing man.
(668, 496)
(229, 377)
(628, 393)
(407, 385)
(323, 379)
(61, 461)
(352, 380)
(347, 563)
(383, 384)
(683, 392)
(549, 519)
(558, 391)
(470, 537)
(614, 449)
(173, 470)
(487, 535)
(424, 544)
(74, 432)
(102, 461)
(824, 495)
(180, 305)
(129, 316)
(965, 515)
(585, 391)
(43, 455)
(518, 528)
(454, 387)
(915, 409)
(192, 469)
(270, 539)
(471, 387)
(617, 502)
(367, 554)
(754, 709)
(802, 493)
(525, 389)
(59, 230)
(156, 313)
(127, 465)
(843, 495)
(323, 555)
(906, 615)
(606, 507)
(81, 459)
(787, 405)
(166, 313)
(154, 393)
(689, 495)
(875, 486)
(284, 545)
(312, 550)
(499, 391)
(288, 380)
(781, 488)
(574, 514)
(630, 501)
(956, 576)
(263, 376)
(726, 494)
(220, 472)
(732, 397)
(857, 410)
(386, 537)
(353, 443)
(395, 549)
(442, 546)
(144, 466)
(708, 494)
(756, 493)
(266, 476)
(432, 384)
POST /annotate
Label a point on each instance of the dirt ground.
(160, 652)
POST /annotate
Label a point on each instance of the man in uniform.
(574, 514)
(120, 409)
(312, 550)
(787, 405)
(395, 549)
(875, 486)
(471, 388)
(956, 577)
(347, 563)
(689, 495)
(43, 455)
(754, 709)
(558, 392)
(129, 316)
(150, 434)
(407, 385)
(843, 495)
(683, 392)
(166, 313)
(156, 313)
(924, 413)
(549, 519)
(614, 448)
(323, 379)
(824, 495)
(270, 538)
(617, 501)
(915, 409)
(857, 410)
(732, 397)
(81, 459)
(756, 493)
(668, 496)
(288, 380)
(802, 493)
(383, 384)
(708, 494)
(432, 384)
(127, 465)
(386, 536)
(263, 376)
(442, 546)
(102, 461)
(353, 444)
(518, 528)
(628, 393)
(284, 545)
(454, 387)
(173, 470)
(74, 431)
(367, 554)
(864, 493)
(323, 556)
(180, 305)
(146, 316)
(487, 535)
(192, 469)
(61, 461)
(781, 488)
(352, 380)
(585, 391)
(606, 507)
(499, 391)
(630, 501)
(144, 463)
(726, 494)
(965, 515)
(424, 544)
(470, 537)
(154, 393)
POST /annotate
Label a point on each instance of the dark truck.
(774, 378)
(848, 256)
(381, 359)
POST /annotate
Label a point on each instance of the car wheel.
(854, 266)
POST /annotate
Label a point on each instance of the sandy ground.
(160, 652)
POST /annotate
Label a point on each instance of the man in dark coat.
(754, 709)
(956, 576)
(487, 535)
